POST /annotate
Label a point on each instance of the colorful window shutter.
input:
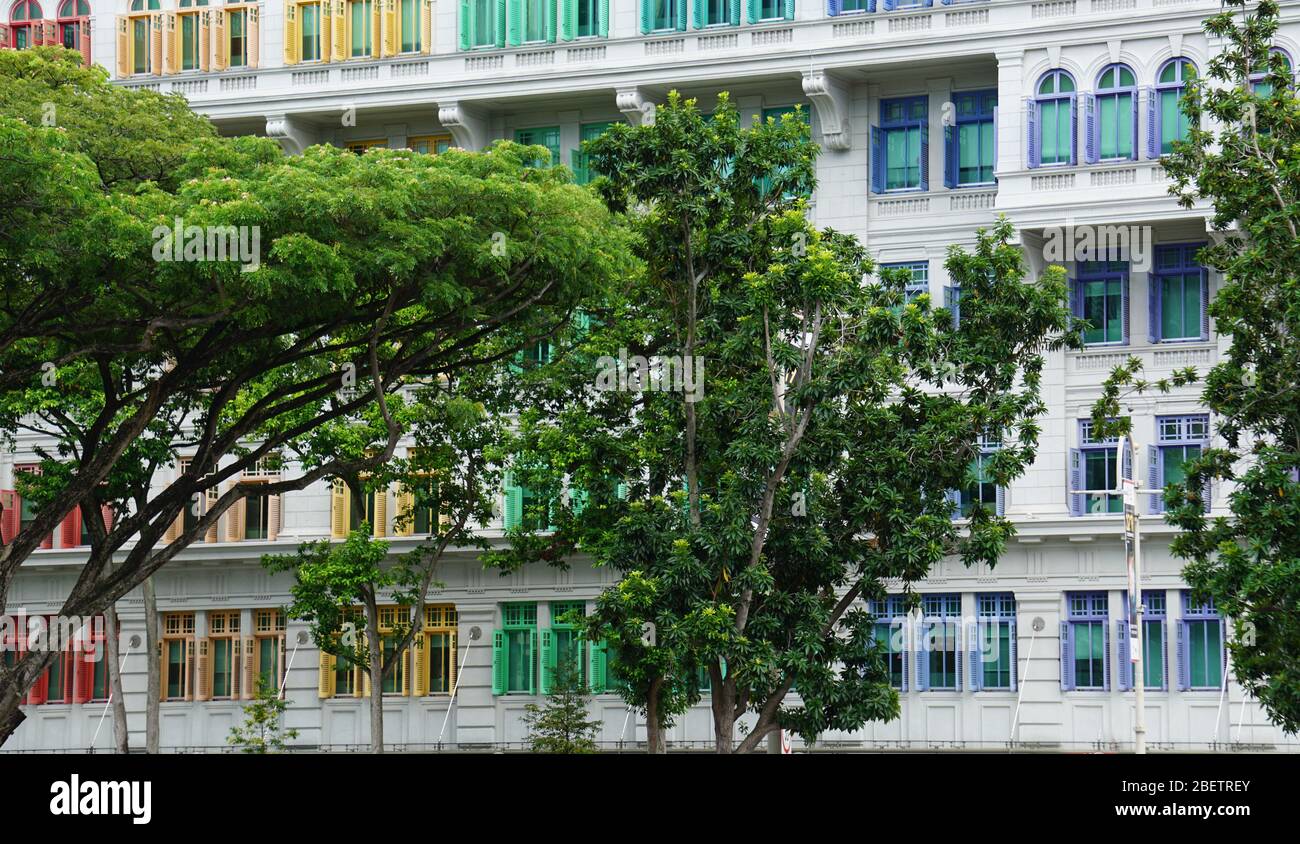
(252, 35)
(70, 529)
(698, 19)
(1074, 129)
(532, 661)
(925, 155)
(834, 7)
(1105, 657)
(390, 34)
(1015, 664)
(325, 676)
(1153, 308)
(380, 516)
(1205, 304)
(1092, 136)
(514, 22)
(568, 20)
(787, 9)
(122, 50)
(1125, 678)
(1124, 299)
(647, 16)
(550, 30)
(1033, 152)
(426, 26)
(205, 38)
(247, 669)
(548, 661)
(951, 157)
(1074, 479)
(169, 57)
(514, 504)
(681, 15)
(220, 45)
(922, 657)
(733, 12)
(466, 24)
(340, 503)
(1153, 122)
(1155, 478)
(498, 662)
(1184, 666)
(599, 661)
(338, 29)
(975, 673)
(877, 160)
(204, 666)
(754, 11)
(602, 18)
(419, 656)
(1067, 656)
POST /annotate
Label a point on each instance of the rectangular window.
(903, 124)
(1056, 122)
(996, 620)
(567, 645)
(178, 645)
(257, 516)
(548, 136)
(360, 20)
(982, 490)
(345, 676)
(1180, 287)
(140, 45)
(99, 682)
(588, 18)
(920, 282)
(236, 28)
(485, 23)
(534, 20)
(938, 644)
(310, 23)
(429, 144)
(519, 624)
(1201, 645)
(1101, 297)
(890, 634)
(770, 10)
(189, 42)
(411, 26)
(1115, 126)
(974, 136)
(223, 673)
(587, 132)
(395, 680)
(1101, 471)
(1179, 441)
(664, 13)
(1153, 638)
(1084, 651)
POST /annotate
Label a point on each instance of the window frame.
(880, 161)
(1155, 611)
(1186, 265)
(993, 611)
(1093, 107)
(1037, 124)
(984, 112)
(1087, 272)
(1156, 111)
(1090, 608)
(939, 610)
(1205, 614)
(891, 616)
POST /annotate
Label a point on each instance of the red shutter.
(70, 529)
(83, 666)
(9, 518)
(4, 36)
(83, 30)
(40, 690)
(51, 33)
(107, 512)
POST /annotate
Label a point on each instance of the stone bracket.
(467, 126)
(293, 135)
(830, 96)
(635, 107)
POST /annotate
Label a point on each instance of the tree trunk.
(723, 703)
(153, 659)
(654, 731)
(121, 738)
(376, 678)
(10, 713)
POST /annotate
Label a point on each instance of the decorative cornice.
(830, 96)
(635, 107)
(293, 136)
(467, 126)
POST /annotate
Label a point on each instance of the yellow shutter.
(274, 515)
(390, 34)
(325, 676)
(189, 669)
(205, 39)
(155, 44)
(175, 529)
(235, 519)
(220, 46)
(451, 669)
(376, 28)
(292, 43)
(426, 28)
(340, 501)
(338, 28)
(381, 512)
(208, 498)
(253, 34)
(123, 52)
(205, 670)
(405, 504)
(162, 669)
(170, 53)
(419, 661)
(250, 669)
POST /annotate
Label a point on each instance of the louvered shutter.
(1153, 308)
(514, 21)
(235, 517)
(1067, 656)
(339, 31)
(602, 18)
(83, 666)
(922, 657)
(155, 43)
(405, 512)
(70, 529)
(1105, 657)
(1033, 152)
(122, 51)
(647, 16)
(597, 671)
(189, 669)
(834, 7)
(10, 519)
(220, 44)
(787, 9)
(1074, 481)
(274, 517)
(877, 165)
(681, 16)
(1015, 656)
(1155, 478)
(325, 675)
(452, 661)
(426, 26)
(205, 38)
(1091, 131)
(380, 515)
(1074, 129)
(951, 157)
(253, 36)
(466, 24)
(548, 661)
(1125, 678)
(376, 28)
(924, 128)
(419, 659)
(1153, 124)
(499, 660)
(83, 32)
(1124, 307)
(549, 26)
(205, 670)
(532, 661)
(390, 42)
(1205, 304)
(975, 668)
(1184, 667)
(4, 36)
(169, 62)
(250, 670)
(340, 504)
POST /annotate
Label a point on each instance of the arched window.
(1168, 122)
(1260, 83)
(143, 6)
(72, 23)
(1111, 116)
(1051, 119)
(24, 24)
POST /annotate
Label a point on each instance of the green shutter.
(733, 12)
(550, 39)
(647, 16)
(621, 490)
(514, 504)
(548, 661)
(501, 22)
(532, 661)
(681, 15)
(498, 662)
(698, 18)
(787, 8)
(598, 667)
(466, 24)
(602, 18)
(568, 19)
(578, 499)
(578, 162)
(754, 10)
(514, 22)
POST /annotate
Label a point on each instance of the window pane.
(519, 661)
(221, 668)
(268, 661)
(175, 668)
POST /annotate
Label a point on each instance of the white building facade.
(932, 119)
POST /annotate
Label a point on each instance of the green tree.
(749, 517)
(376, 274)
(563, 724)
(1244, 161)
(263, 728)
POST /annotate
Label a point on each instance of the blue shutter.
(1184, 670)
(957, 656)
(834, 7)
(1164, 647)
(877, 160)
(975, 672)
(1134, 155)
(1126, 464)
(890, 5)
(1076, 297)
(1074, 477)
(1074, 129)
(953, 497)
(924, 128)
(1067, 656)
(1153, 124)
(952, 301)
(1155, 478)
(1015, 657)
(1125, 663)
(1153, 308)
(995, 142)
(1032, 149)
(922, 655)
(1105, 657)
(951, 157)
(1205, 304)
(1092, 132)
(1207, 493)
(1124, 309)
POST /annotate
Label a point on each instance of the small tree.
(562, 725)
(262, 731)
